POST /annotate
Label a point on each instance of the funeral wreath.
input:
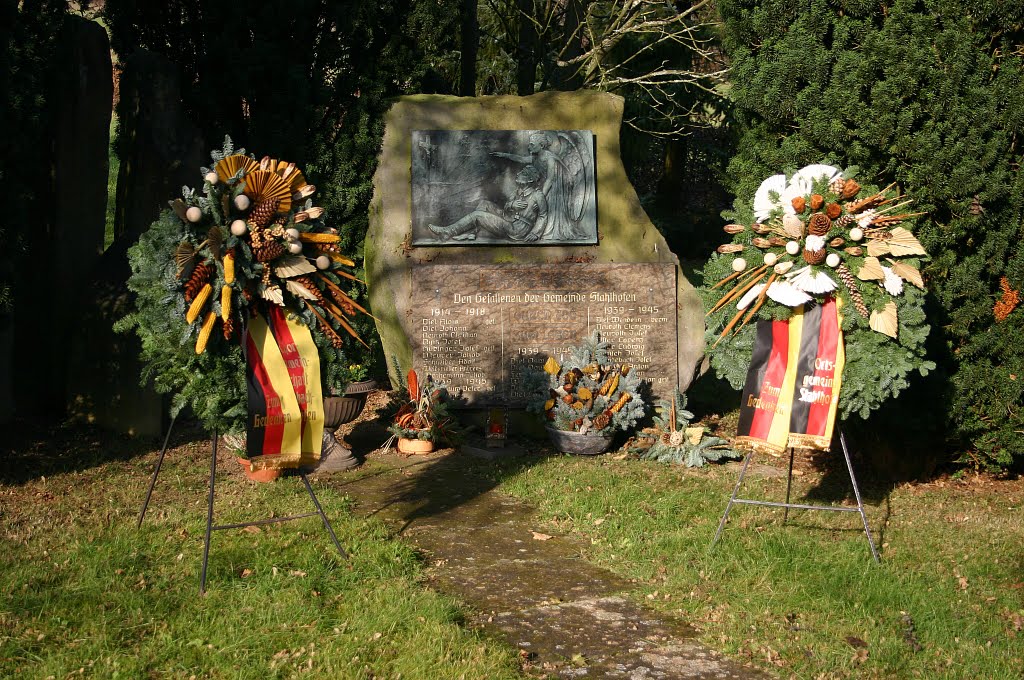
(249, 242)
(815, 235)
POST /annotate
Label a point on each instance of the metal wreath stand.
(211, 527)
(801, 506)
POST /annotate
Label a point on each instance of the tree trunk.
(470, 40)
(571, 77)
(526, 71)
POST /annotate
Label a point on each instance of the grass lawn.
(86, 593)
(805, 599)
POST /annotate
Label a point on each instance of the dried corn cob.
(198, 303)
(316, 237)
(225, 303)
(229, 267)
(204, 332)
(623, 400)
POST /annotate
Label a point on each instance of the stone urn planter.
(346, 408)
(590, 444)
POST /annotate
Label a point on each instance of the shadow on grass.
(41, 448)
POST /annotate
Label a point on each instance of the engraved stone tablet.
(503, 187)
(480, 327)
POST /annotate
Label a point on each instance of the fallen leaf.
(855, 642)
(537, 536)
(860, 657)
(253, 530)
(246, 573)
(1018, 622)
(578, 660)
(296, 572)
(599, 521)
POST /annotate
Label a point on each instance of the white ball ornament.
(792, 247)
(739, 264)
(211, 177)
(292, 234)
(856, 234)
(770, 259)
(832, 260)
(294, 247)
(323, 262)
(238, 228)
(242, 202)
(193, 214)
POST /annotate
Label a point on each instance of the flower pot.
(264, 475)
(589, 444)
(346, 408)
(411, 446)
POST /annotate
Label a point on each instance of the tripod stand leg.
(327, 524)
(860, 503)
(789, 484)
(732, 499)
(156, 471)
(209, 514)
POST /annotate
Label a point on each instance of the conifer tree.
(928, 94)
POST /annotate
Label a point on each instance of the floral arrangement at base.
(588, 393)
(810, 236)
(425, 415)
(673, 440)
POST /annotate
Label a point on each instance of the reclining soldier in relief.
(523, 218)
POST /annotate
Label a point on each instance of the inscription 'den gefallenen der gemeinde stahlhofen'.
(480, 327)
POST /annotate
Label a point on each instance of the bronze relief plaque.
(503, 187)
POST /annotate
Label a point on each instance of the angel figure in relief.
(567, 172)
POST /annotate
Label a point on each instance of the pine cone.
(261, 214)
(200, 277)
(843, 221)
(344, 303)
(331, 334)
(229, 327)
(814, 256)
(819, 224)
(836, 186)
(268, 252)
(601, 421)
(846, 276)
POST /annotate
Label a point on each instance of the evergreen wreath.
(251, 239)
(815, 233)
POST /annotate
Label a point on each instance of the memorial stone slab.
(481, 328)
(402, 263)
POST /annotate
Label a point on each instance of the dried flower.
(1008, 302)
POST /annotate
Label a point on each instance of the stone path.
(569, 618)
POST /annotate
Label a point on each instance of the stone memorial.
(476, 311)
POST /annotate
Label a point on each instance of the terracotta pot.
(589, 444)
(415, 445)
(258, 475)
(346, 408)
